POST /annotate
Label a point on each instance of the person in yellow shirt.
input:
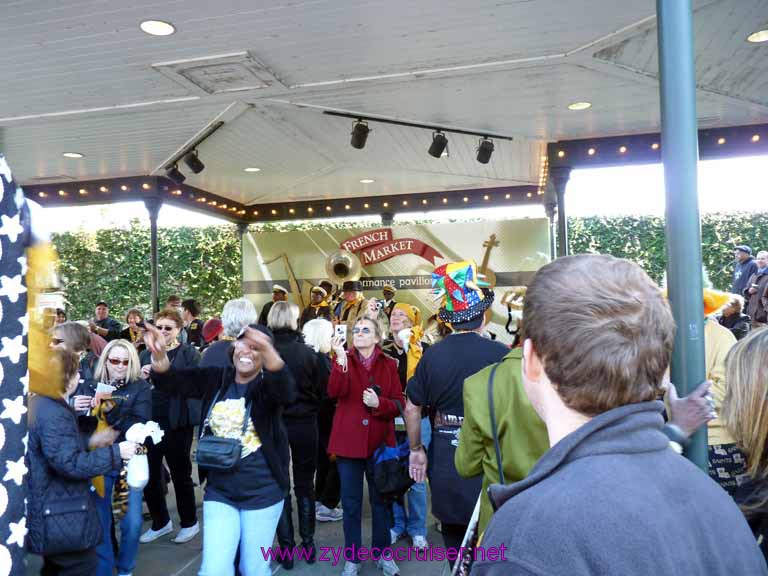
(727, 464)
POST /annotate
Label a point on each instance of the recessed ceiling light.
(252, 170)
(73, 155)
(756, 138)
(759, 36)
(367, 181)
(157, 28)
(579, 106)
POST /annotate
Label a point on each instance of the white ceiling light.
(579, 105)
(73, 155)
(759, 36)
(157, 28)
(367, 181)
(252, 170)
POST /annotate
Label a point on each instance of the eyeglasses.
(166, 328)
(363, 330)
(117, 361)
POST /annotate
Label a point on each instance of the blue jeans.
(224, 527)
(351, 471)
(130, 530)
(414, 522)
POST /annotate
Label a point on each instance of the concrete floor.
(164, 558)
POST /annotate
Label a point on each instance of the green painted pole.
(680, 154)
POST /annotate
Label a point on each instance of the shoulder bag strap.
(492, 411)
(207, 420)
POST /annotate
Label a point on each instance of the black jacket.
(175, 412)
(133, 405)
(113, 327)
(302, 361)
(268, 398)
(738, 324)
(60, 510)
(217, 354)
(742, 274)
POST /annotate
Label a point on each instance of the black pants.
(302, 437)
(327, 482)
(175, 448)
(81, 563)
(453, 534)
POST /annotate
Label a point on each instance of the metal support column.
(242, 230)
(683, 228)
(560, 176)
(550, 208)
(153, 207)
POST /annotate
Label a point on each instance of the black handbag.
(216, 452)
(390, 469)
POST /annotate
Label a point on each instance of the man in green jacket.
(521, 433)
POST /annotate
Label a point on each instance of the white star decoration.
(18, 532)
(22, 260)
(5, 170)
(12, 348)
(25, 382)
(24, 321)
(14, 409)
(11, 287)
(15, 471)
(25, 441)
(11, 227)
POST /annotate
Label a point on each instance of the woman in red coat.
(366, 385)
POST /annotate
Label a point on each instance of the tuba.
(342, 265)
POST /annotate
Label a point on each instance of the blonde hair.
(134, 366)
(283, 315)
(745, 407)
(318, 334)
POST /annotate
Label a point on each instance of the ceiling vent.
(220, 74)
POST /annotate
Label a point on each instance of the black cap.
(260, 327)
(102, 303)
(352, 286)
(744, 248)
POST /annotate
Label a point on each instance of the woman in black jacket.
(242, 504)
(122, 399)
(300, 419)
(177, 417)
(64, 525)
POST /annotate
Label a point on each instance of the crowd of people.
(570, 441)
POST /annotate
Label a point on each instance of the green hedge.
(641, 239)
(205, 263)
(113, 265)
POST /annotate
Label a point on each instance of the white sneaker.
(152, 535)
(325, 514)
(350, 569)
(394, 536)
(388, 567)
(420, 543)
(186, 534)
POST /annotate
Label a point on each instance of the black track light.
(359, 134)
(175, 174)
(439, 142)
(484, 151)
(194, 162)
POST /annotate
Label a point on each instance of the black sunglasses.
(166, 328)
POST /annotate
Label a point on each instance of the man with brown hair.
(609, 496)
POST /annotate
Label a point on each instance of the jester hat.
(464, 296)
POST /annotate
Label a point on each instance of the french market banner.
(509, 251)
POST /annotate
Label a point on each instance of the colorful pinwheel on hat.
(465, 297)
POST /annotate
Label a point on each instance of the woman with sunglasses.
(367, 387)
(177, 417)
(242, 402)
(122, 399)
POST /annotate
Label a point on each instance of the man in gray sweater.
(610, 497)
